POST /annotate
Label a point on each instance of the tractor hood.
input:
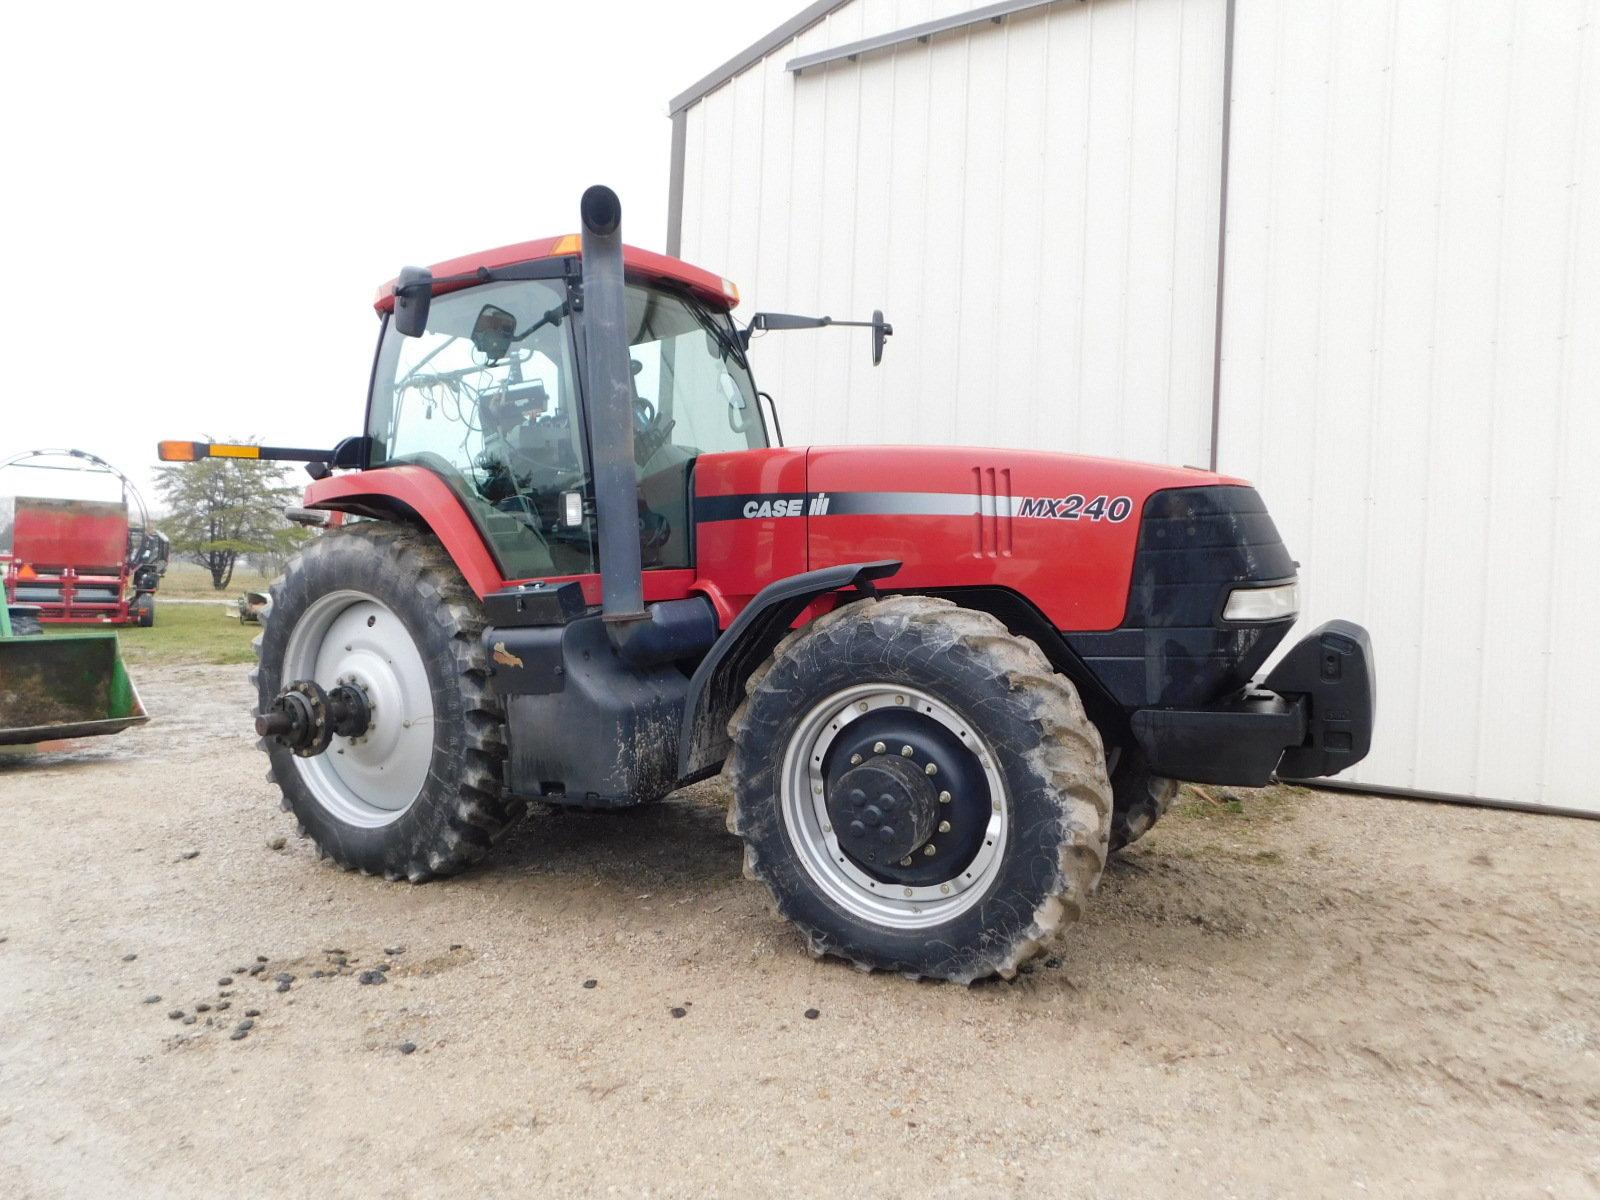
(1059, 529)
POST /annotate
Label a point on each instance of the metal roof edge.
(754, 53)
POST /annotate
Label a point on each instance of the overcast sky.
(201, 199)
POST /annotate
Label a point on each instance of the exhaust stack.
(609, 381)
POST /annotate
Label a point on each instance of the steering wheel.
(650, 432)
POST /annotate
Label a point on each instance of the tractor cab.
(490, 396)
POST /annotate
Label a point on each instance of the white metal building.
(1348, 249)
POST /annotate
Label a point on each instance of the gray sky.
(201, 199)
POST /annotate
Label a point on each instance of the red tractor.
(943, 684)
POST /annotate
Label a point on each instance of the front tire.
(919, 790)
(1140, 798)
(419, 793)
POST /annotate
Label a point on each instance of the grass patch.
(183, 633)
(1237, 807)
(192, 581)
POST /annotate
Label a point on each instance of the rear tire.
(1017, 751)
(143, 609)
(420, 794)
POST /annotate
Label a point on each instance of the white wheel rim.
(809, 827)
(349, 637)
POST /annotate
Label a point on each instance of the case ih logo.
(816, 506)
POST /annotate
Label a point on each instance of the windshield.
(488, 398)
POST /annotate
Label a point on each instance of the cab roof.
(713, 290)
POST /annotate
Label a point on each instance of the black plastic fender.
(717, 685)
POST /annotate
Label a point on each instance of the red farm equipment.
(77, 561)
(941, 683)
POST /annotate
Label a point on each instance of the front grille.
(1196, 545)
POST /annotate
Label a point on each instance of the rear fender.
(419, 497)
(718, 682)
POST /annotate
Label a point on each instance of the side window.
(692, 395)
(487, 399)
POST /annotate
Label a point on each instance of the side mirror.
(881, 332)
(413, 293)
(493, 332)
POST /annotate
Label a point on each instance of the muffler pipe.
(608, 379)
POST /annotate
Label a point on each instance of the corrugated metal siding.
(1033, 204)
(1411, 363)
(1411, 339)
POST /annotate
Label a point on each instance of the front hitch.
(304, 718)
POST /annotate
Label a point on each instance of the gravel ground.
(1321, 995)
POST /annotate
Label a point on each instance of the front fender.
(718, 682)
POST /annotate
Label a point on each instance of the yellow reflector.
(177, 451)
(731, 290)
(224, 450)
(571, 244)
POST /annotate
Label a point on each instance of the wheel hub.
(915, 761)
(884, 809)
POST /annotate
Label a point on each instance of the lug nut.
(931, 769)
(906, 861)
(944, 826)
(929, 849)
(944, 797)
(878, 747)
(855, 760)
(906, 752)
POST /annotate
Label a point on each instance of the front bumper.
(1310, 717)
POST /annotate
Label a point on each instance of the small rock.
(223, 1004)
(246, 1024)
(252, 1012)
(393, 950)
(129, 957)
(240, 970)
(284, 977)
(373, 977)
(334, 950)
(455, 945)
(152, 998)
(188, 854)
(283, 986)
(238, 1035)
(319, 974)
(589, 983)
(812, 1014)
(1052, 963)
(1026, 968)
(202, 1007)
(680, 1012)
(381, 967)
(190, 1020)
(261, 958)
(408, 1047)
(276, 843)
(175, 1014)
(225, 981)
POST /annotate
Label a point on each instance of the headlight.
(1262, 603)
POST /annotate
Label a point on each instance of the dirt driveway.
(1315, 996)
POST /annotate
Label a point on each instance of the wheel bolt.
(906, 861)
(944, 797)
(931, 769)
(906, 752)
(944, 826)
(878, 747)
(929, 849)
